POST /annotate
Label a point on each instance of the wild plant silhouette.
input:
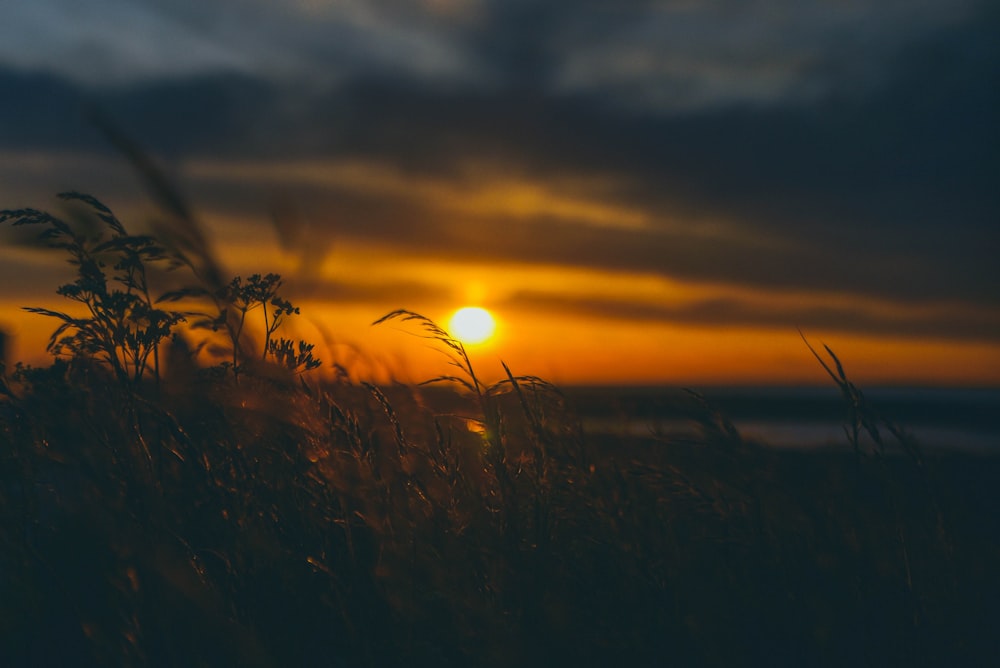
(237, 514)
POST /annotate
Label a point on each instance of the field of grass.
(175, 491)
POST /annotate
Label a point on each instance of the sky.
(640, 191)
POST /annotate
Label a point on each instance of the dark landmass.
(263, 523)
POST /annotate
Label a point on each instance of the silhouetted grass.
(223, 509)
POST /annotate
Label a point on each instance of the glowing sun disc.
(471, 325)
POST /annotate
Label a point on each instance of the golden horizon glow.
(566, 322)
(590, 350)
(472, 325)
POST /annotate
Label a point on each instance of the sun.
(472, 325)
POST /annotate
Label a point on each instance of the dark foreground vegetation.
(176, 492)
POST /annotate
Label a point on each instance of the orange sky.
(561, 345)
(595, 351)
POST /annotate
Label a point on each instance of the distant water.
(965, 419)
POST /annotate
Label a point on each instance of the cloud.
(683, 56)
(667, 56)
(782, 147)
(107, 41)
(112, 42)
(943, 322)
(477, 191)
(444, 219)
(390, 293)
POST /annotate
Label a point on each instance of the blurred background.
(641, 192)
